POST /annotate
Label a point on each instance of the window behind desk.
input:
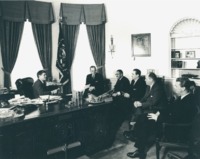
(83, 59)
(28, 62)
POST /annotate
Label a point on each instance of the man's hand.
(126, 95)
(137, 104)
(87, 86)
(55, 91)
(153, 116)
(91, 88)
(114, 94)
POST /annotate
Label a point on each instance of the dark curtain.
(43, 39)
(94, 16)
(70, 34)
(96, 34)
(11, 33)
(40, 14)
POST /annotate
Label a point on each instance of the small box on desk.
(109, 99)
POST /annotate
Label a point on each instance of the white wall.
(138, 16)
(126, 17)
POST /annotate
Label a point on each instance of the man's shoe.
(136, 154)
(133, 154)
(129, 135)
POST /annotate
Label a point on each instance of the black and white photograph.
(190, 54)
(99, 79)
(141, 44)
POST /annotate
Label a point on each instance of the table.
(49, 126)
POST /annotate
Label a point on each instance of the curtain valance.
(90, 14)
(13, 11)
(35, 11)
(71, 14)
(40, 12)
(94, 14)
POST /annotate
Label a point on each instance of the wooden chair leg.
(157, 150)
(174, 156)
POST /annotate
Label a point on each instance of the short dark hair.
(93, 67)
(184, 82)
(120, 71)
(137, 71)
(192, 83)
(40, 72)
(153, 76)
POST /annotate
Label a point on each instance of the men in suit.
(94, 83)
(137, 92)
(40, 87)
(138, 89)
(195, 131)
(196, 91)
(138, 86)
(155, 97)
(122, 86)
(153, 100)
(121, 96)
(181, 111)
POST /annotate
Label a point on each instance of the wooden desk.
(53, 125)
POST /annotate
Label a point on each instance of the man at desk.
(94, 83)
(40, 87)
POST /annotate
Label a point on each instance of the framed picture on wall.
(190, 54)
(141, 44)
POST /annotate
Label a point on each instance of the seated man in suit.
(138, 86)
(137, 92)
(154, 98)
(196, 91)
(94, 83)
(40, 87)
(182, 110)
(121, 97)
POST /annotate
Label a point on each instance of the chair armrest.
(175, 132)
(57, 149)
(176, 125)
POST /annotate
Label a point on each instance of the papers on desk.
(3, 90)
(53, 83)
(24, 101)
(50, 97)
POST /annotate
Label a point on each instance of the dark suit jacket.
(122, 104)
(122, 86)
(97, 82)
(40, 88)
(181, 111)
(197, 97)
(138, 89)
(155, 98)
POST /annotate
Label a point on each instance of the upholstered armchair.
(25, 87)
